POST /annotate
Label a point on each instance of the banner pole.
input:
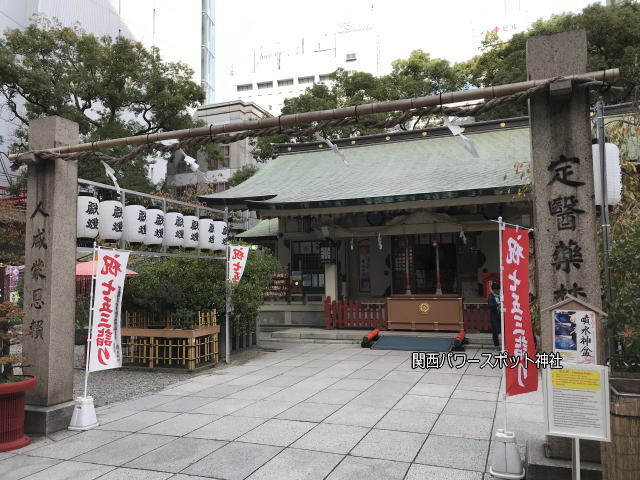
(89, 339)
(227, 336)
(502, 331)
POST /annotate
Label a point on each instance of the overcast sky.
(446, 29)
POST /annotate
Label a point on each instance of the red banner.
(518, 333)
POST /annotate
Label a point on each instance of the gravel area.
(111, 386)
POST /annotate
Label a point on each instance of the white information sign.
(575, 336)
(576, 401)
(105, 350)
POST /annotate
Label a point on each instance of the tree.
(112, 87)
(624, 260)
(241, 175)
(186, 286)
(613, 41)
(418, 75)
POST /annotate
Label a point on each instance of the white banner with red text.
(518, 333)
(105, 350)
(237, 261)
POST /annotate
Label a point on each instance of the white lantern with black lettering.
(87, 218)
(135, 224)
(155, 227)
(190, 231)
(614, 173)
(221, 233)
(173, 229)
(110, 224)
(206, 235)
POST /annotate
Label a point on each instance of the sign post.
(577, 406)
(104, 345)
(517, 341)
(576, 397)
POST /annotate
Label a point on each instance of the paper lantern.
(135, 224)
(190, 231)
(87, 218)
(206, 236)
(220, 233)
(173, 229)
(614, 174)
(110, 224)
(155, 227)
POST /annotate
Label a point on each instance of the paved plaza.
(306, 411)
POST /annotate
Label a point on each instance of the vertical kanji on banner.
(237, 262)
(518, 333)
(105, 348)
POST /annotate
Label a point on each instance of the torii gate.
(562, 172)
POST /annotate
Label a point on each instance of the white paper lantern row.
(212, 234)
(220, 233)
(155, 227)
(173, 229)
(206, 237)
(191, 232)
(111, 220)
(135, 224)
(614, 174)
(149, 226)
(87, 218)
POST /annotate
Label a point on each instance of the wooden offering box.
(425, 312)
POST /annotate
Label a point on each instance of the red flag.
(518, 333)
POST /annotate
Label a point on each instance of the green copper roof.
(428, 168)
(265, 228)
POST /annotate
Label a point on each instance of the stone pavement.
(308, 411)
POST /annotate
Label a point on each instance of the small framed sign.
(576, 400)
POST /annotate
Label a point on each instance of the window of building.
(302, 80)
(182, 167)
(263, 85)
(327, 77)
(305, 258)
(351, 57)
(219, 162)
(286, 82)
(244, 88)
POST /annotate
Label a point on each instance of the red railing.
(476, 317)
(345, 314)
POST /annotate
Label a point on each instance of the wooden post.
(564, 207)
(49, 277)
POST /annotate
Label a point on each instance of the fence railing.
(169, 320)
(476, 317)
(345, 314)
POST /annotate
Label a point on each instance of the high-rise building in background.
(208, 50)
(269, 74)
(274, 70)
(183, 31)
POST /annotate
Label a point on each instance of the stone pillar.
(49, 277)
(564, 208)
(331, 280)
